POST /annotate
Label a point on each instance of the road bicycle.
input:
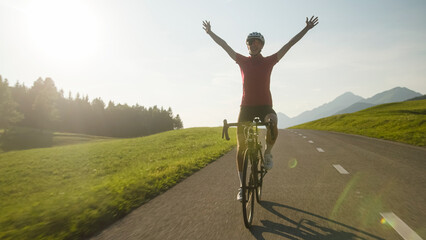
(253, 165)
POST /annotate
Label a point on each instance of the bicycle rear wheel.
(260, 173)
(248, 190)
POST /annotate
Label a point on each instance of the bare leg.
(241, 147)
(272, 133)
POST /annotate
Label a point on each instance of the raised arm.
(218, 40)
(309, 25)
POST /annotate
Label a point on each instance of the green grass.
(402, 122)
(71, 192)
(20, 138)
(60, 139)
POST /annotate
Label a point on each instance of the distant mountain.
(347, 103)
(325, 110)
(282, 116)
(417, 98)
(355, 108)
(397, 94)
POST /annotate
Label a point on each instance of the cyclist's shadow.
(306, 229)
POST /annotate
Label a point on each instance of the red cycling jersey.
(256, 73)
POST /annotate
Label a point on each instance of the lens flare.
(343, 196)
(292, 163)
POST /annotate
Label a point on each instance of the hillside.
(417, 98)
(348, 103)
(71, 192)
(403, 122)
(19, 138)
(324, 110)
(397, 94)
(355, 107)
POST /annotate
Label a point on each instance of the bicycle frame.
(255, 123)
(251, 133)
(253, 169)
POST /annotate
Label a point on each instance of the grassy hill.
(403, 122)
(70, 192)
(20, 138)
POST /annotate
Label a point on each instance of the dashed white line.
(320, 150)
(304, 136)
(310, 141)
(340, 169)
(401, 227)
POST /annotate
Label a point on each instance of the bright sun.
(62, 30)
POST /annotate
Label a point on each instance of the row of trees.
(44, 107)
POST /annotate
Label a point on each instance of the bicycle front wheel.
(260, 173)
(248, 190)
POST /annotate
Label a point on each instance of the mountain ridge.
(348, 102)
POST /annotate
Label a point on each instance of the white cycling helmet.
(255, 35)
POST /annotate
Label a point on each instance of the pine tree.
(43, 106)
(177, 122)
(44, 111)
(8, 113)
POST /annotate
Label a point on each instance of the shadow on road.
(306, 229)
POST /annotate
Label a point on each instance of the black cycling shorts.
(248, 113)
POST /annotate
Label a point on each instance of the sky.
(150, 52)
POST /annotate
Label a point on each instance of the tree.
(177, 122)
(8, 113)
(44, 95)
(44, 107)
(97, 117)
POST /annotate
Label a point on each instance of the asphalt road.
(305, 196)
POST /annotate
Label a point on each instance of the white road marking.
(304, 136)
(401, 227)
(310, 141)
(340, 169)
(300, 134)
(320, 150)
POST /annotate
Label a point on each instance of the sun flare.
(62, 30)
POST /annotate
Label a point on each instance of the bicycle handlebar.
(226, 126)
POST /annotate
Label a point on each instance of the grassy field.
(70, 192)
(60, 139)
(20, 138)
(402, 122)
